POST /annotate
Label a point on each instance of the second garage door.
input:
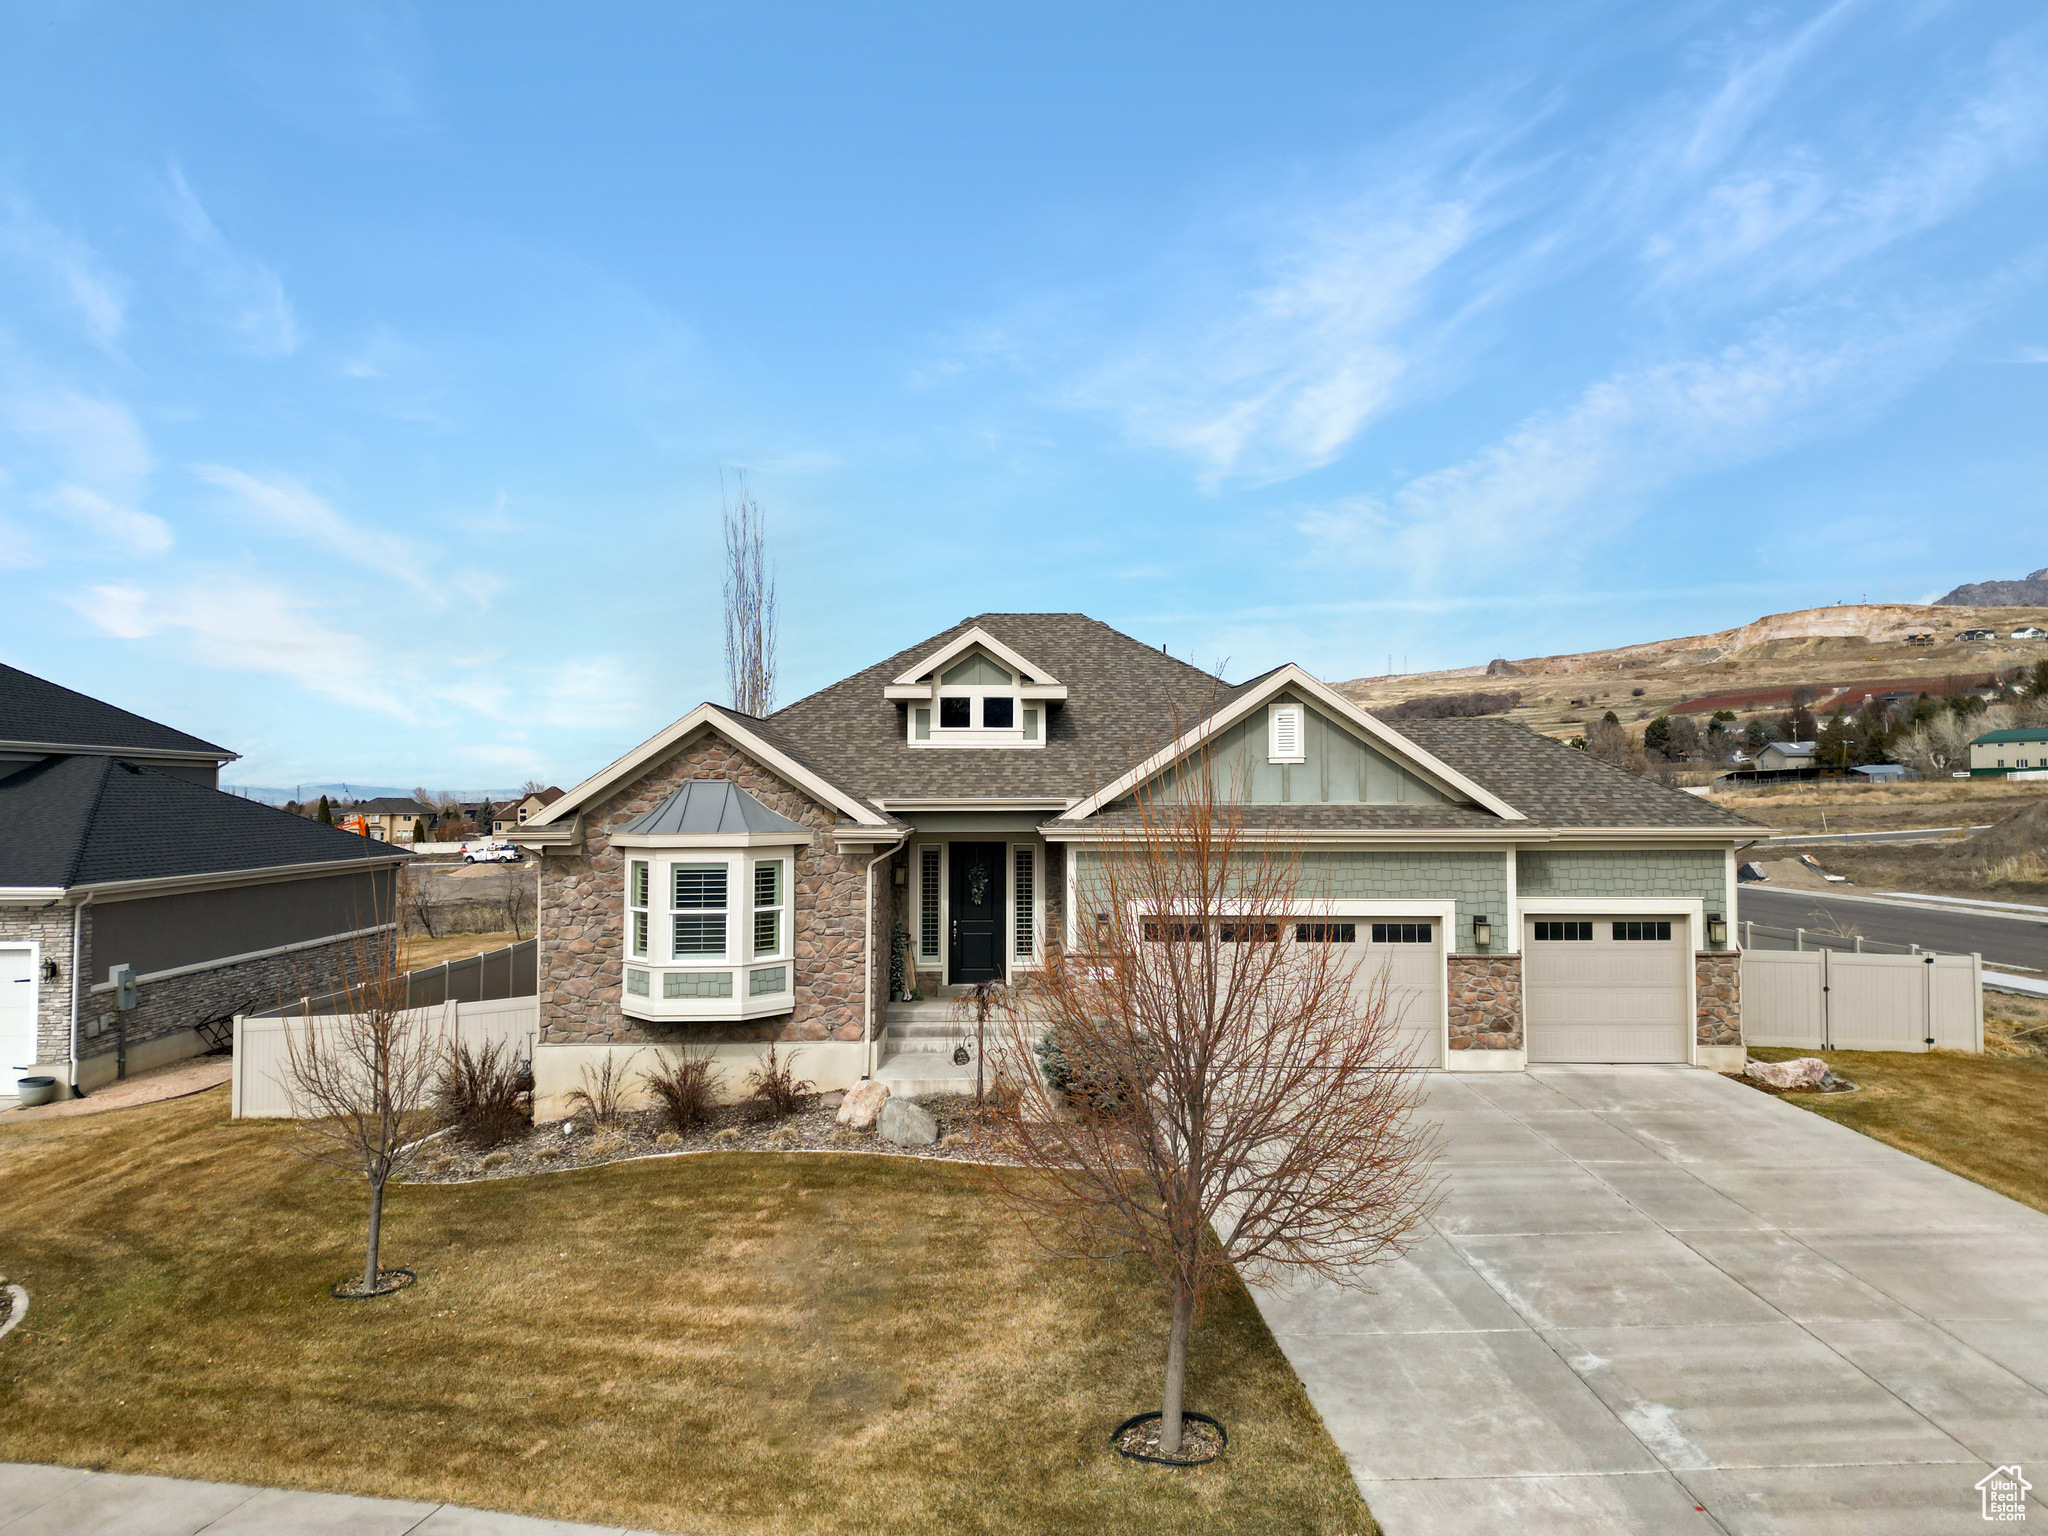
(1410, 953)
(1606, 989)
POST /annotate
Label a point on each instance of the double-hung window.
(636, 905)
(700, 910)
(768, 907)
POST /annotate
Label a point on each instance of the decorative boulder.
(863, 1102)
(906, 1124)
(1806, 1072)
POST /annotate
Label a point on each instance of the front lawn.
(736, 1342)
(1984, 1117)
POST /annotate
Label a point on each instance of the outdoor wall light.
(1717, 930)
(49, 970)
(1482, 932)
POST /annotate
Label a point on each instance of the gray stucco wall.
(1674, 874)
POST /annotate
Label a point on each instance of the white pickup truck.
(489, 853)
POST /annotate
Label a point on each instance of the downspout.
(867, 1020)
(77, 931)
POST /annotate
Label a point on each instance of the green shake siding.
(1597, 874)
(1476, 881)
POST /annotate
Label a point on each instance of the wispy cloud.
(242, 625)
(289, 508)
(250, 296)
(84, 458)
(125, 529)
(1634, 433)
(72, 267)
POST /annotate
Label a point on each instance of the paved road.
(2002, 941)
(69, 1501)
(1902, 835)
(1655, 1301)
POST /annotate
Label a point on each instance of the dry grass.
(738, 1342)
(1881, 807)
(1979, 1116)
(422, 952)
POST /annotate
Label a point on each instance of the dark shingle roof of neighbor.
(69, 821)
(35, 709)
(1125, 700)
(711, 805)
(391, 805)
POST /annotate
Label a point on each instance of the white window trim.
(741, 855)
(1274, 715)
(975, 734)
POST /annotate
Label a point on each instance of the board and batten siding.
(1476, 880)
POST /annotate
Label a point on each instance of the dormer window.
(976, 692)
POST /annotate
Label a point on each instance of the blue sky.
(367, 374)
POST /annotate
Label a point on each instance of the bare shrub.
(516, 906)
(602, 1094)
(486, 1093)
(1229, 1091)
(774, 1091)
(684, 1088)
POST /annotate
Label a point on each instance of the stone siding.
(1605, 874)
(1485, 1002)
(1718, 988)
(177, 1003)
(49, 928)
(582, 918)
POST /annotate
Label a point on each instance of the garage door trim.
(1694, 912)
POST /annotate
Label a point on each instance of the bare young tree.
(1220, 1086)
(516, 905)
(361, 1081)
(749, 605)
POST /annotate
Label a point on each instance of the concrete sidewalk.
(65, 1501)
(1654, 1300)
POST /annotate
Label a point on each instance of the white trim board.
(1332, 703)
(1028, 672)
(706, 717)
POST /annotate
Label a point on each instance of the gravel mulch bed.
(578, 1143)
(1199, 1442)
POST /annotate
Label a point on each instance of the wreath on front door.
(977, 883)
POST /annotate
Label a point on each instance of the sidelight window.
(768, 906)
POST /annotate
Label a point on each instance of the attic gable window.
(975, 701)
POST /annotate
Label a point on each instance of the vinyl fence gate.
(1832, 1000)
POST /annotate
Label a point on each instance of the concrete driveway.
(1655, 1300)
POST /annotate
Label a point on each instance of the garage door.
(1410, 952)
(1605, 988)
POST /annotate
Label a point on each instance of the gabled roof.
(1998, 738)
(1291, 679)
(72, 821)
(37, 714)
(922, 676)
(706, 806)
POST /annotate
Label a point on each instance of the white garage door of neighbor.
(17, 1013)
(1410, 952)
(1605, 988)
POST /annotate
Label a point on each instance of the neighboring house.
(514, 814)
(390, 818)
(1787, 757)
(116, 849)
(2030, 632)
(1883, 773)
(2001, 752)
(735, 881)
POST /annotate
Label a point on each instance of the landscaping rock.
(833, 1099)
(906, 1124)
(863, 1102)
(1806, 1072)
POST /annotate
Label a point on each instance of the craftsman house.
(736, 880)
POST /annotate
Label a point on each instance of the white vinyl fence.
(1831, 1000)
(261, 1053)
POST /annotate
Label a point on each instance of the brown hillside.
(1832, 649)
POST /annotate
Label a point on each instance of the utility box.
(123, 978)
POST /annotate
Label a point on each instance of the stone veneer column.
(1485, 1002)
(1717, 985)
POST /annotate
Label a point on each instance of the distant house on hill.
(391, 817)
(514, 814)
(116, 850)
(1998, 753)
(1787, 757)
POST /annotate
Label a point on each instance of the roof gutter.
(116, 890)
(219, 756)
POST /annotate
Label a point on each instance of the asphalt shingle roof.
(69, 821)
(1125, 700)
(35, 709)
